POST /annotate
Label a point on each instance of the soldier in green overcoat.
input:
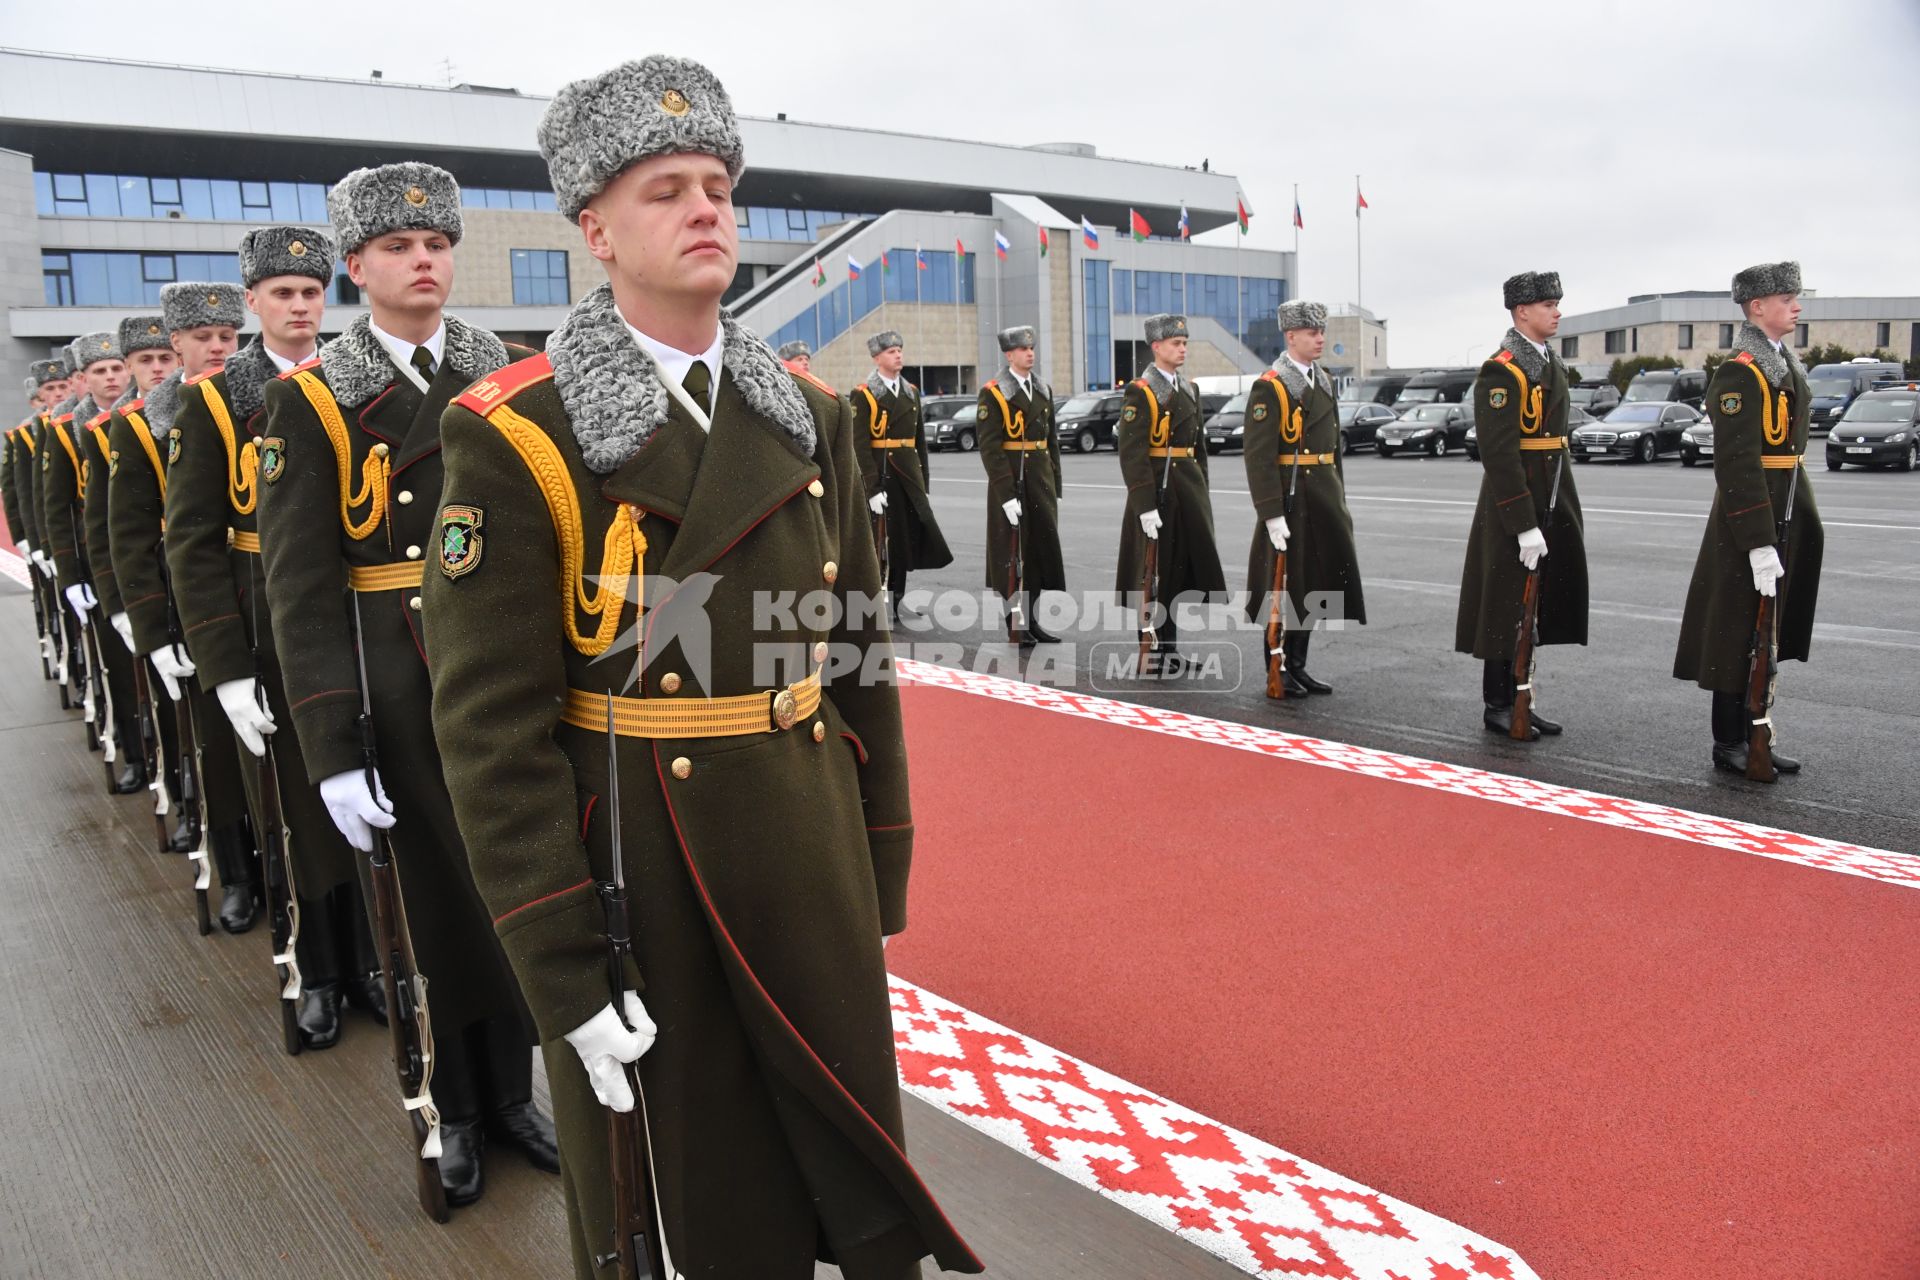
(1520, 410)
(350, 470)
(1021, 452)
(891, 443)
(1163, 460)
(1759, 404)
(1298, 482)
(763, 819)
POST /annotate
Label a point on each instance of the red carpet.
(1621, 1055)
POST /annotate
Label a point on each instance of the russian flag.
(1088, 235)
(1000, 246)
(919, 258)
(853, 267)
(1185, 228)
(1299, 222)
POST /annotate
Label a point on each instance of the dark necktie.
(699, 384)
(423, 361)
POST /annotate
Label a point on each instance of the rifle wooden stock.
(38, 592)
(192, 808)
(1016, 566)
(1762, 667)
(149, 746)
(1277, 630)
(283, 913)
(880, 546)
(409, 1024)
(1522, 726)
(637, 1245)
(1149, 587)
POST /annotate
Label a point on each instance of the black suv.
(1089, 420)
(951, 422)
(1675, 386)
(1597, 398)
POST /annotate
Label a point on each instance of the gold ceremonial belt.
(772, 711)
(1019, 446)
(1779, 461)
(894, 444)
(1305, 459)
(385, 577)
(1164, 452)
(241, 540)
(1551, 442)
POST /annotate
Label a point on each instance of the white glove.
(171, 664)
(877, 504)
(1012, 507)
(1150, 524)
(605, 1047)
(46, 565)
(1766, 569)
(1277, 532)
(25, 548)
(80, 598)
(240, 699)
(354, 809)
(123, 626)
(1533, 545)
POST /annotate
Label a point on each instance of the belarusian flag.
(819, 274)
(1043, 242)
(1139, 224)
(1245, 214)
(886, 267)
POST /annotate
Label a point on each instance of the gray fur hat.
(1531, 286)
(597, 128)
(409, 196)
(1021, 335)
(1764, 281)
(192, 303)
(32, 387)
(1166, 326)
(104, 345)
(266, 252)
(71, 355)
(794, 350)
(142, 333)
(1303, 315)
(881, 341)
(45, 371)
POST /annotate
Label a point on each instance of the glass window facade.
(540, 278)
(118, 279)
(845, 303)
(757, 222)
(906, 282)
(99, 195)
(1240, 303)
(1098, 327)
(502, 198)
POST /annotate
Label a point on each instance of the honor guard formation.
(321, 566)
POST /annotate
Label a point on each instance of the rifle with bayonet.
(193, 796)
(880, 546)
(639, 1247)
(1763, 660)
(1277, 622)
(1150, 562)
(276, 860)
(153, 771)
(1529, 634)
(409, 1022)
(40, 619)
(1016, 558)
(102, 730)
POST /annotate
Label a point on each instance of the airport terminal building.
(151, 174)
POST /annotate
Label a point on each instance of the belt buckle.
(783, 709)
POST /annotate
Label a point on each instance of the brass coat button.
(816, 489)
(414, 604)
(670, 682)
(413, 553)
(404, 497)
(786, 709)
(819, 731)
(380, 449)
(820, 651)
(830, 571)
(683, 768)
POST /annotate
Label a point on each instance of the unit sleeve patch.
(460, 540)
(173, 446)
(1497, 398)
(1730, 403)
(273, 457)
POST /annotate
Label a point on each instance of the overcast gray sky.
(1631, 145)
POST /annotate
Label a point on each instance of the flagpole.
(1240, 290)
(1358, 274)
(999, 274)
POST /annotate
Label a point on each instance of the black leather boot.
(238, 907)
(367, 992)
(1296, 654)
(522, 1125)
(1500, 720)
(320, 1016)
(461, 1144)
(130, 780)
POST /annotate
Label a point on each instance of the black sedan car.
(1576, 418)
(1880, 429)
(1433, 429)
(1360, 423)
(1641, 431)
(951, 422)
(1227, 428)
(1089, 420)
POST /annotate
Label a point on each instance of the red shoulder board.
(99, 418)
(64, 419)
(139, 402)
(802, 373)
(503, 384)
(304, 364)
(1745, 357)
(1505, 357)
(199, 377)
(1271, 375)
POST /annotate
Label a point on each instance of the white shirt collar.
(402, 351)
(1171, 379)
(674, 362)
(1779, 344)
(1306, 370)
(283, 364)
(1024, 379)
(1541, 347)
(891, 384)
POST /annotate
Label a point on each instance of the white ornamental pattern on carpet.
(1245, 1201)
(1542, 797)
